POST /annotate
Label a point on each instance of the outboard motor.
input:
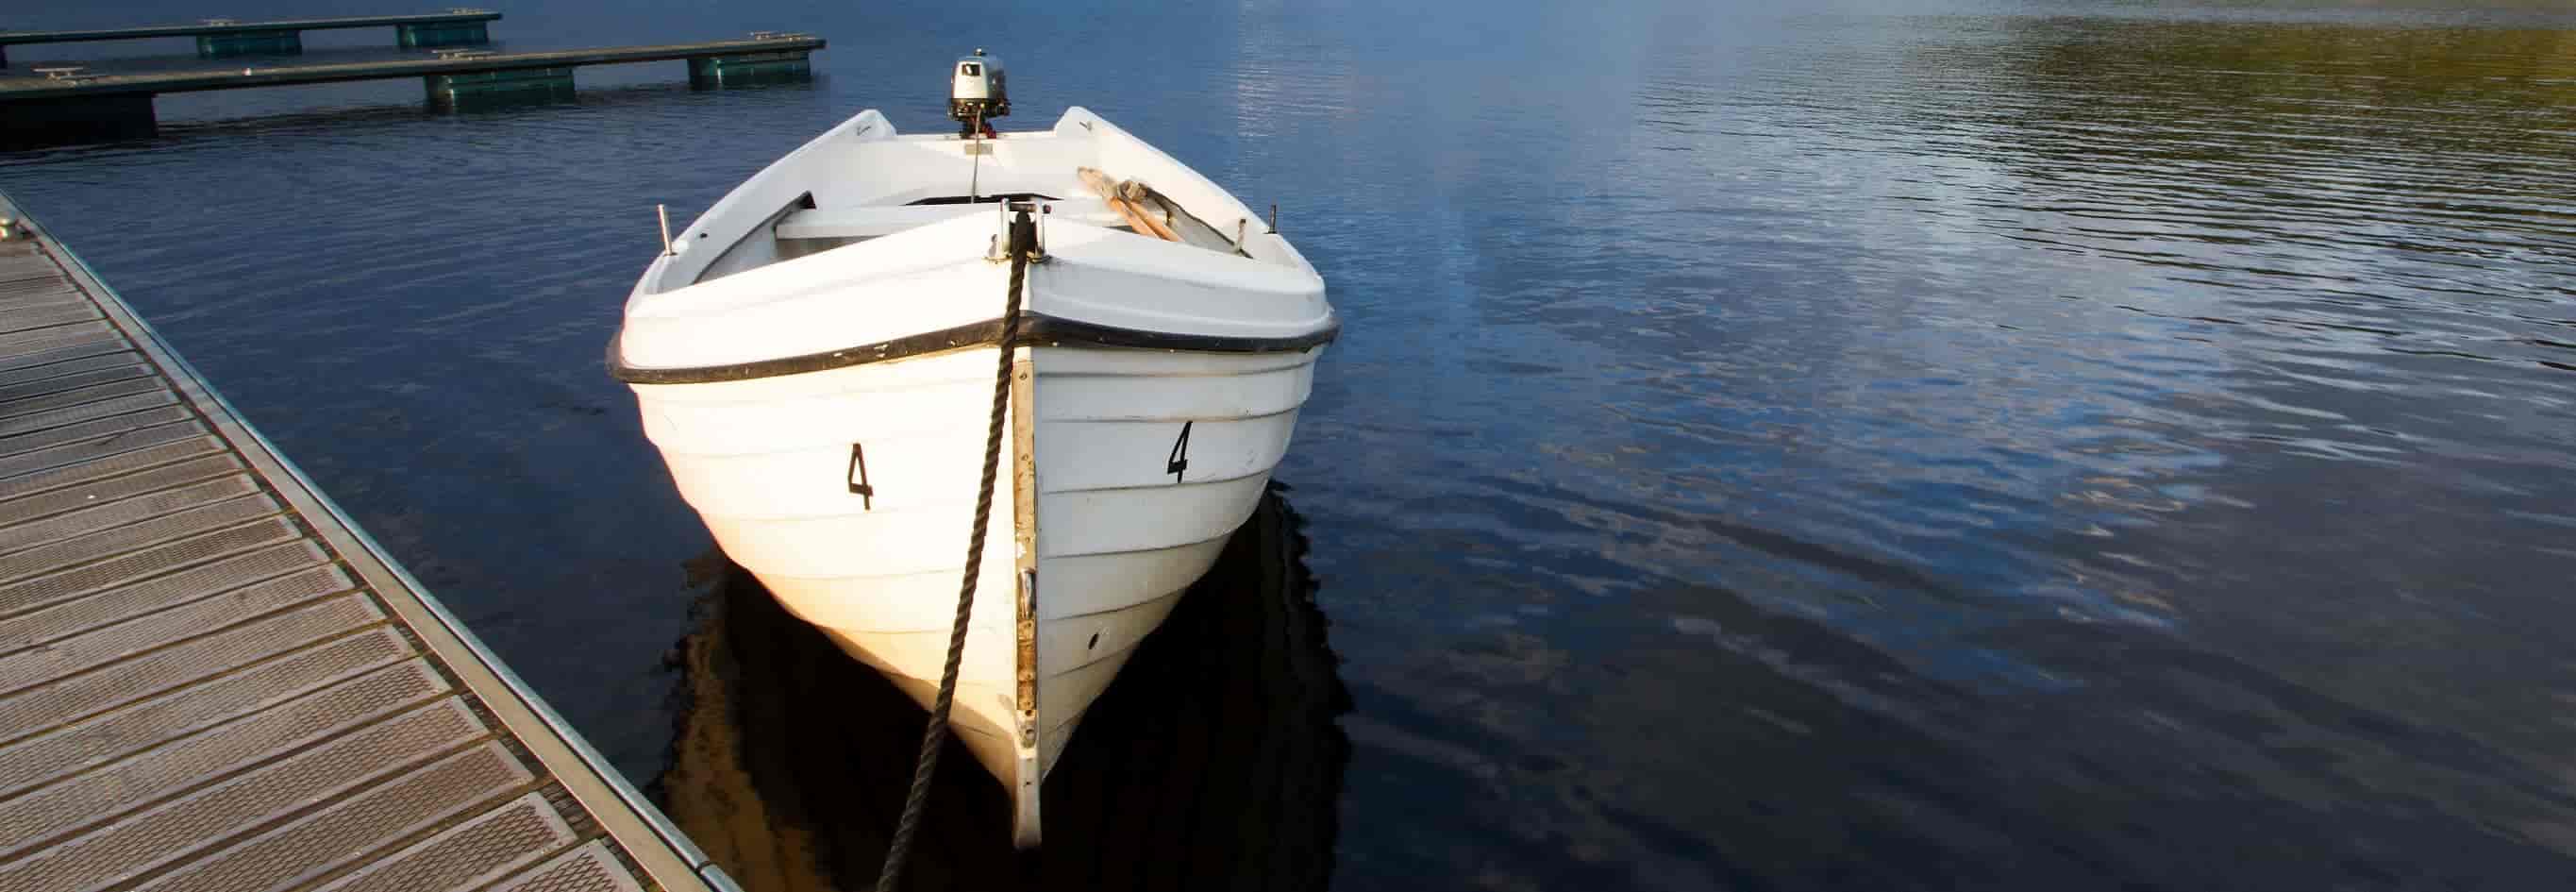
(977, 94)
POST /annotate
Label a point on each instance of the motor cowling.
(977, 92)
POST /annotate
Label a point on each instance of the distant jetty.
(71, 103)
(219, 37)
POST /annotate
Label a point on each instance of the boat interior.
(836, 193)
(808, 229)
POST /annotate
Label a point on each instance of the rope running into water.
(1023, 243)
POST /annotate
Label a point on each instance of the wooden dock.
(76, 103)
(211, 679)
(226, 37)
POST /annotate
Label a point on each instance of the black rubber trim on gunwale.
(1036, 329)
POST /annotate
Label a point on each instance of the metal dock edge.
(195, 692)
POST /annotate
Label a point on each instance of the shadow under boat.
(1214, 761)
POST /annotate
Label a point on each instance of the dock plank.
(22, 365)
(586, 869)
(26, 317)
(102, 646)
(72, 749)
(469, 854)
(78, 396)
(113, 790)
(110, 404)
(209, 679)
(207, 818)
(179, 524)
(78, 696)
(65, 585)
(32, 520)
(75, 374)
(66, 447)
(155, 595)
(113, 427)
(47, 299)
(81, 524)
(314, 846)
(91, 362)
(46, 337)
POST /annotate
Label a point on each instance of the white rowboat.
(815, 359)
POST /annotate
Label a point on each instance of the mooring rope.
(1023, 245)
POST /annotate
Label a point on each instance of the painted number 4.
(859, 478)
(1179, 460)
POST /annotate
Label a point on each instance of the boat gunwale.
(1036, 330)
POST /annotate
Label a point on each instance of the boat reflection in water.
(1214, 761)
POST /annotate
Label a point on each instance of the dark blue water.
(1943, 445)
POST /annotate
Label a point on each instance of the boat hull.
(850, 493)
(815, 358)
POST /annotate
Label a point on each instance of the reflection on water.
(2030, 446)
(1213, 762)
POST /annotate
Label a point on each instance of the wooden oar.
(1137, 219)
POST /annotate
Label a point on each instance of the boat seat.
(870, 222)
(867, 222)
